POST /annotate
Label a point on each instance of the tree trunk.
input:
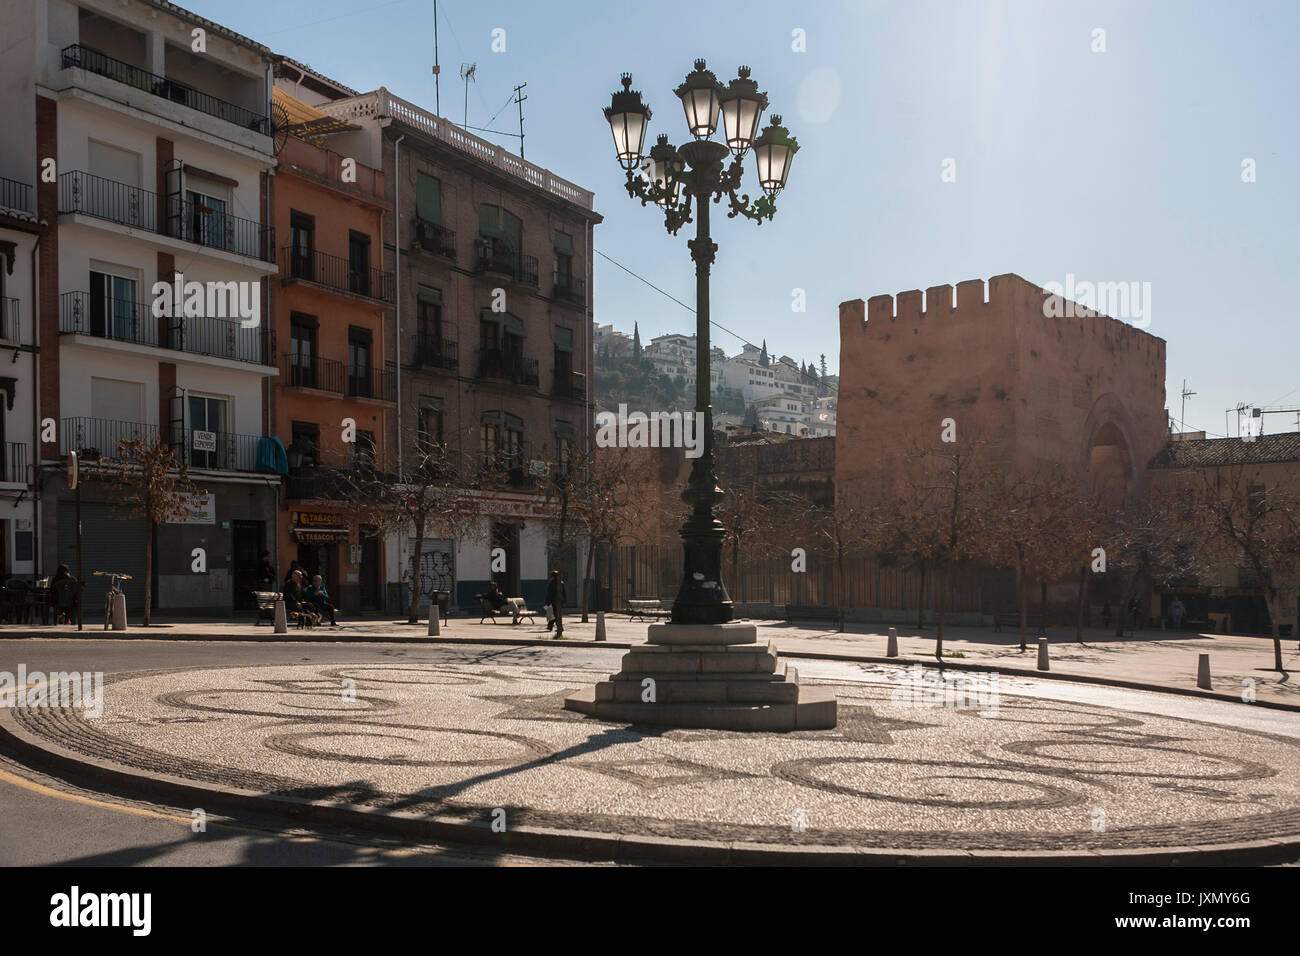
(586, 577)
(920, 600)
(1083, 603)
(1272, 603)
(413, 613)
(1024, 605)
(839, 563)
(941, 575)
(148, 573)
(559, 563)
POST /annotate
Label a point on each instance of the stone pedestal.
(710, 676)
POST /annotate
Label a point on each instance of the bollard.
(891, 649)
(433, 620)
(600, 625)
(1042, 654)
(119, 612)
(281, 618)
(1203, 672)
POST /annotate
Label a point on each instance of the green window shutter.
(489, 220)
(428, 401)
(563, 430)
(564, 339)
(428, 198)
(431, 296)
(490, 418)
(512, 324)
(513, 422)
(564, 244)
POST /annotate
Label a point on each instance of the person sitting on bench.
(319, 599)
(295, 596)
(499, 602)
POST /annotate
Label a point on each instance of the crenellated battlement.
(1009, 296)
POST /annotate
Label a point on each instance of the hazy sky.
(1123, 165)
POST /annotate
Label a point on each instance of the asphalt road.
(56, 820)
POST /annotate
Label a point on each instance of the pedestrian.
(1134, 611)
(1105, 614)
(555, 601)
(266, 574)
(319, 598)
(1177, 611)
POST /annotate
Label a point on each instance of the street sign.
(74, 469)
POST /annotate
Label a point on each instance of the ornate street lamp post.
(674, 178)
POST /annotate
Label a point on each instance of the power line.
(713, 322)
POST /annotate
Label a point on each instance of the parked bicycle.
(113, 592)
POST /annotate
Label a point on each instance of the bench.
(515, 609)
(266, 610)
(1013, 620)
(811, 612)
(648, 608)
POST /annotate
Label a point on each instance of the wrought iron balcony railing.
(10, 329)
(100, 198)
(497, 364)
(433, 238)
(570, 289)
(14, 466)
(435, 351)
(100, 439)
(511, 466)
(95, 61)
(324, 375)
(15, 195)
(125, 320)
(376, 383)
(497, 257)
(570, 385)
(335, 272)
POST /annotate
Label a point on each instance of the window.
(359, 382)
(304, 449)
(302, 245)
(302, 350)
(208, 222)
(489, 439)
(210, 445)
(363, 451)
(563, 261)
(563, 453)
(114, 313)
(428, 199)
(512, 447)
(429, 324)
(429, 424)
(1255, 500)
(358, 263)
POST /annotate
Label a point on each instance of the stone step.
(813, 709)
(734, 632)
(712, 661)
(670, 691)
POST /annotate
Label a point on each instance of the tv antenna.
(467, 74)
(437, 70)
(520, 96)
(1182, 416)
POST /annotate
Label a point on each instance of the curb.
(628, 848)
(570, 642)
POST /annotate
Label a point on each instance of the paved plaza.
(460, 731)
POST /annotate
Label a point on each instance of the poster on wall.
(194, 509)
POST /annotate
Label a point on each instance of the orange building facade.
(336, 387)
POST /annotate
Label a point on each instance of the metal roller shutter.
(111, 540)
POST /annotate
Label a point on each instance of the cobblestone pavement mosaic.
(462, 739)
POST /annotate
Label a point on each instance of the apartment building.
(145, 131)
(337, 388)
(492, 335)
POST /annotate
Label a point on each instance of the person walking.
(1177, 612)
(1105, 614)
(554, 602)
(266, 573)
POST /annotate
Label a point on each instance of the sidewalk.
(1154, 658)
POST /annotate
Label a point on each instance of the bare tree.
(1260, 524)
(155, 484)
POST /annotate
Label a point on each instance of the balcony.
(124, 320)
(9, 325)
(499, 365)
(373, 383)
(15, 195)
(569, 289)
(337, 479)
(570, 385)
(434, 238)
(434, 351)
(99, 439)
(335, 273)
(322, 375)
(15, 468)
(100, 198)
(496, 257)
(94, 61)
(511, 467)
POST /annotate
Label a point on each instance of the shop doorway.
(319, 559)
(368, 573)
(506, 537)
(247, 546)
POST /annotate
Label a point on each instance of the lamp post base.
(707, 676)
